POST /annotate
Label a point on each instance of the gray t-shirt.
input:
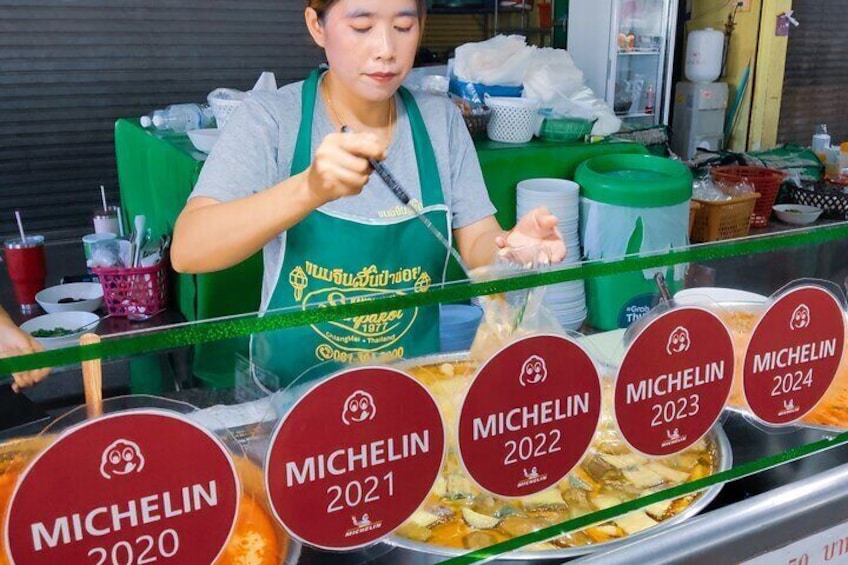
(254, 152)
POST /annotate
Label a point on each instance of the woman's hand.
(14, 341)
(340, 165)
(538, 228)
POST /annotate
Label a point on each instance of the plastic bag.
(511, 315)
(558, 84)
(502, 60)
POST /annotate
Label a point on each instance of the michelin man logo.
(359, 407)
(678, 341)
(800, 318)
(534, 371)
(361, 522)
(122, 457)
(532, 473)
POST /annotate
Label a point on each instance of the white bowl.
(203, 139)
(88, 297)
(797, 214)
(77, 323)
(709, 295)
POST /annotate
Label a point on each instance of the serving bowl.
(797, 214)
(203, 139)
(74, 325)
(71, 297)
(708, 295)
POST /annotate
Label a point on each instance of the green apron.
(334, 260)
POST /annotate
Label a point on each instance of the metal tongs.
(666, 303)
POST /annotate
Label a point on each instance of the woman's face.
(370, 44)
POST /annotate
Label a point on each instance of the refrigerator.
(625, 48)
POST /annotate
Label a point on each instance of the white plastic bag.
(501, 61)
(558, 84)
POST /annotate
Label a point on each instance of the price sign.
(529, 416)
(674, 381)
(794, 354)
(354, 458)
(134, 487)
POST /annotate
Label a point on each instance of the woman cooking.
(284, 178)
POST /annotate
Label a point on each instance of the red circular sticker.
(529, 416)
(354, 458)
(674, 381)
(134, 487)
(794, 354)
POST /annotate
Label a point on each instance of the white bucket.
(704, 50)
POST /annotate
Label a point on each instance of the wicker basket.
(723, 219)
(765, 181)
(831, 198)
(693, 211)
(476, 122)
(142, 289)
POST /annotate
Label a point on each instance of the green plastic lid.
(636, 181)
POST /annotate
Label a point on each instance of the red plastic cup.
(27, 268)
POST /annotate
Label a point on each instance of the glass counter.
(720, 456)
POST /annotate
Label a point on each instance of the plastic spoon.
(139, 221)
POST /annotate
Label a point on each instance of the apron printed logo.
(801, 318)
(534, 371)
(678, 341)
(299, 282)
(358, 408)
(359, 338)
(122, 457)
(423, 283)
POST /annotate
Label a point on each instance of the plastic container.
(180, 118)
(765, 181)
(704, 52)
(137, 293)
(650, 98)
(821, 142)
(476, 92)
(833, 158)
(843, 157)
(631, 204)
(565, 129)
(514, 120)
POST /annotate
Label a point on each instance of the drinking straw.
(120, 222)
(103, 197)
(20, 226)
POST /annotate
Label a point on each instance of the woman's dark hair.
(321, 7)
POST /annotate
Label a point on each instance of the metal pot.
(408, 552)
